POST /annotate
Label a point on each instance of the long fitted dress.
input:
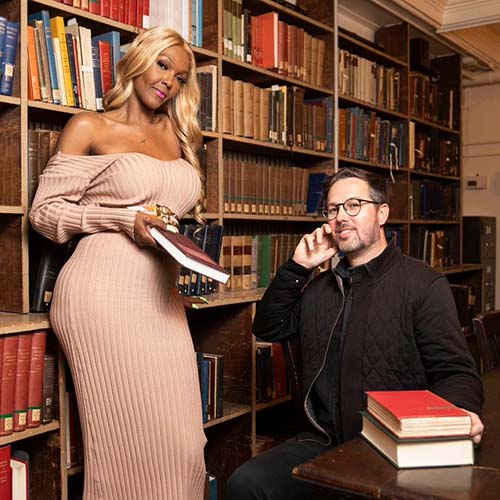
(122, 325)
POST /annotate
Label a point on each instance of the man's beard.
(357, 243)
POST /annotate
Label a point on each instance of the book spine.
(22, 380)
(9, 58)
(36, 379)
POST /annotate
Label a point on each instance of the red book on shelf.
(8, 385)
(410, 414)
(5, 473)
(269, 40)
(106, 65)
(36, 378)
(22, 380)
(188, 254)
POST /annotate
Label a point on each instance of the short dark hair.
(377, 184)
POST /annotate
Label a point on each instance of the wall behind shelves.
(481, 154)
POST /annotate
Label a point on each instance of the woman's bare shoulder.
(79, 134)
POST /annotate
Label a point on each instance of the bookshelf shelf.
(62, 9)
(210, 135)
(16, 323)
(202, 53)
(55, 108)
(248, 72)
(290, 15)
(231, 411)
(435, 222)
(28, 433)
(434, 125)
(347, 100)
(421, 173)
(292, 218)
(273, 402)
(371, 164)
(11, 210)
(230, 298)
(10, 100)
(352, 43)
(464, 268)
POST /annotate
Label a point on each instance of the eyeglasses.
(352, 207)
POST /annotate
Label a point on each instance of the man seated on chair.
(379, 321)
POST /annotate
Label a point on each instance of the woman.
(115, 308)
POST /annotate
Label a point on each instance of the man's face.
(361, 234)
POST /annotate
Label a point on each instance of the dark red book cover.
(22, 379)
(105, 8)
(106, 65)
(5, 473)
(8, 385)
(188, 254)
(36, 378)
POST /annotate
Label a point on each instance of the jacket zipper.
(315, 424)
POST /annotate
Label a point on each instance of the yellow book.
(57, 27)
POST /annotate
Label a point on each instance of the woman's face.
(163, 80)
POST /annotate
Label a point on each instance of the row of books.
(365, 136)
(211, 376)
(279, 114)
(431, 102)
(27, 382)
(184, 16)
(255, 184)
(14, 473)
(433, 200)
(417, 429)
(209, 239)
(131, 12)
(437, 247)
(9, 35)
(67, 65)
(430, 152)
(41, 146)
(268, 42)
(272, 380)
(369, 81)
(253, 260)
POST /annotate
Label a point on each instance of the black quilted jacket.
(403, 334)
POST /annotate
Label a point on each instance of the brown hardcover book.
(264, 114)
(48, 388)
(238, 118)
(22, 381)
(8, 385)
(227, 105)
(211, 169)
(36, 378)
(188, 254)
(282, 48)
(321, 63)
(248, 107)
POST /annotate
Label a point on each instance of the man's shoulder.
(416, 268)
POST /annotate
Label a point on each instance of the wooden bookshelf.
(223, 324)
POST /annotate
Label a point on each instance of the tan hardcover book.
(248, 107)
(237, 262)
(256, 113)
(321, 63)
(264, 114)
(247, 262)
(227, 105)
(226, 260)
(238, 119)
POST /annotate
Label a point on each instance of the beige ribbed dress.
(122, 325)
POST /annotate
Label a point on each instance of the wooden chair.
(487, 330)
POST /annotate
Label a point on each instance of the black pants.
(269, 475)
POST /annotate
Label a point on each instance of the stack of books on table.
(417, 429)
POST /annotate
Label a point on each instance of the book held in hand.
(188, 254)
(410, 414)
(417, 452)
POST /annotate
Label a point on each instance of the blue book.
(3, 30)
(205, 376)
(96, 64)
(315, 192)
(212, 487)
(9, 58)
(44, 16)
(113, 38)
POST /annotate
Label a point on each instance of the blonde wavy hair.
(182, 110)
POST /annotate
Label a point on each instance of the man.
(380, 321)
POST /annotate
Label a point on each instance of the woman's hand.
(315, 248)
(143, 222)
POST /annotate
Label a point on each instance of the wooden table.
(356, 468)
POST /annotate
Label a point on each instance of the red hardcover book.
(115, 9)
(106, 65)
(5, 473)
(105, 8)
(19, 465)
(188, 254)
(22, 380)
(36, 378)
(411, 414)
(95, 6)
(140, 11)
(269, 34)
(145, 14)
(8, 385)
(131, 15)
